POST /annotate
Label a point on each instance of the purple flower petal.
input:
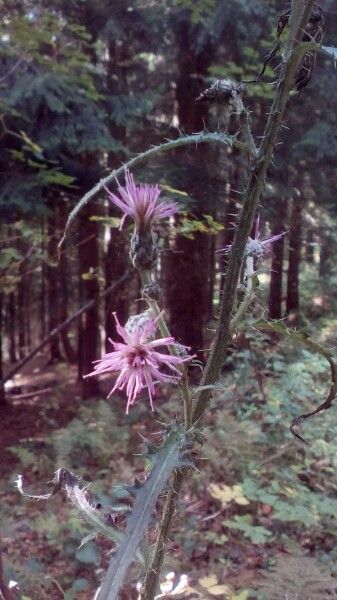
(137, 362)
(141, 202)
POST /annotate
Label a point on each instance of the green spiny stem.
(258, 171)
(251, 197)
(150, 583)
(195, 138)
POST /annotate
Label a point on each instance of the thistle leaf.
(101, 519)
(168, 458)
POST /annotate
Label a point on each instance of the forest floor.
(258, 517)
(23, 417)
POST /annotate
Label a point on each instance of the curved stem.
(195, 138)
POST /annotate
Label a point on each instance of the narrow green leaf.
(88, 554)
(299, 337)
(165, 461)
(99, 518)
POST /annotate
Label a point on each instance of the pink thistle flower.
(141, 203)
(256, 247)
(138, 361)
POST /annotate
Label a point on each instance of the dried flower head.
(222, 91)
(141, 203)
(137, 361)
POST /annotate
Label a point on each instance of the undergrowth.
(271, 502)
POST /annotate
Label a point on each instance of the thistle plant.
(145, 359)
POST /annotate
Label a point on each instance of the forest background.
(85, 86)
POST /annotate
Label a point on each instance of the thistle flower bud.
(152, 291)
(143, 249)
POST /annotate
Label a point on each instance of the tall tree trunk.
(2, 389)
(186, 291)
(29, 284)
(116, 257)
(11, 321)
(43, 287)
(52, 274)
(294, 257)
(89, 328)
(276, 274)
(186, 280)
(64, 293)
(21, 313)
(307, 195)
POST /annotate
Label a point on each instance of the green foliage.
(57, 115)
(27, 457)
(88, 554)
(189, 227)
(285, 489)
(256, 533)
(89, 437)
(319, 143)
(7, 256)
(56, 177)
(122, 109)
(198, 9)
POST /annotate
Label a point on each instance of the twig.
(57, 584)
(28, 395)
(11, 70)
(282, 450)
